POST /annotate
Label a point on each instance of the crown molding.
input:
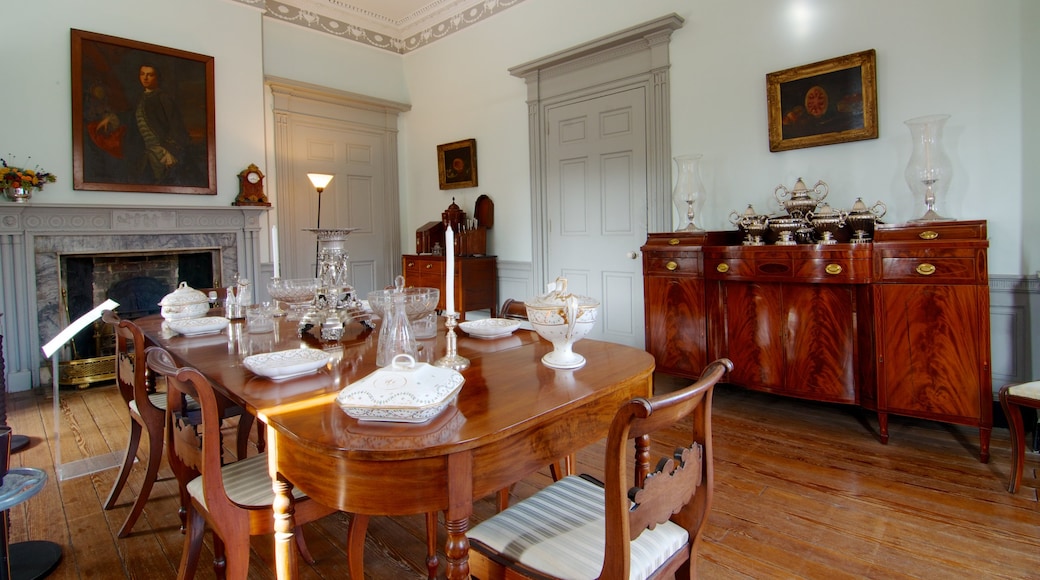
(431, 22)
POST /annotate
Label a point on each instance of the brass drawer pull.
(928, 235)
(833, 269)
(671, 266)
(428, 266)
(925, 269)
(673, 242)
(722, 268)
(411, 264)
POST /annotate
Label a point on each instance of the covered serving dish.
(562, 318)
(405, 391)
(184, 302)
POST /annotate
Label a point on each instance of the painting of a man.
(145, 118)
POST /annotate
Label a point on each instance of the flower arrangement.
(27, 179)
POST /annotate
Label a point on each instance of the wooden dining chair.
(578, 526)
(147, 409)
(235, 500)
(1013, 398)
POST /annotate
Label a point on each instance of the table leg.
(286, 566)
(456, 518)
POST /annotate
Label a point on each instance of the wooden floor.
(802, 490)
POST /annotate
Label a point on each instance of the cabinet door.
(819, 341)
(932, 352)
(675, 325)
(754, 334)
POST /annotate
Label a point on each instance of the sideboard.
(476, 280)
(899, 325)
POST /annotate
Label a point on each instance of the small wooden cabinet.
(900, 326)
(476, 280)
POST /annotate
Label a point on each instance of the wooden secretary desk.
(899, 326)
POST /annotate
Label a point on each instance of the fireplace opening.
(137, 281)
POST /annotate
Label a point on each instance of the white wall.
(973, 59)
(961, 57)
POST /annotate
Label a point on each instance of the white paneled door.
(353, 199)
(596, 205)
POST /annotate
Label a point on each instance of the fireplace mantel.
(34, 236)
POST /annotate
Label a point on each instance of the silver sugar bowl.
(826, 222)
(785, 228)
(861, 219)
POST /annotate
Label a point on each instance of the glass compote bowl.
(419, 304)
(298, 293)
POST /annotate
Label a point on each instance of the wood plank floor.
(802, 490)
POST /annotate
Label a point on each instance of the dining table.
(513, 416)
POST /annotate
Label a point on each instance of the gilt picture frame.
(457, 164)
(823, 103)
(143, 117)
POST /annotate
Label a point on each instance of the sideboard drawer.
(716, 268)
(668, 263)
(929, 270)
(831, 270)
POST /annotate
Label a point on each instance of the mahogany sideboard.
(899, 325)
(476, 280)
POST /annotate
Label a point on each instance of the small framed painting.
(142, 117)
(457, 164)
(826, 102)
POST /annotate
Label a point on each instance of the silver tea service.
(862, 219)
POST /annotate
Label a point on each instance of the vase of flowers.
(18, 184)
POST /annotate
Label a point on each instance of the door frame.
(632, 58)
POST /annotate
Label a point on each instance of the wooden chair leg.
(155, 452)
(128, 463)
(562, 468)
(356, 545)
(1018, 440)
(236, 556)
(220, 557)
(301, 545)
(196, 528)
(245, 425)
(261, 436)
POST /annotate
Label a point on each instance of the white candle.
(449, 271)
(274, 251)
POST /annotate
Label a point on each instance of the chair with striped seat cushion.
(1012, 399)
(235, 500)
(148, 414)
(580, 528)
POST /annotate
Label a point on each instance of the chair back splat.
(576, 526)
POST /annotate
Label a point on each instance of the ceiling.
(396, 25)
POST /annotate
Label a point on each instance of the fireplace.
(38, 241)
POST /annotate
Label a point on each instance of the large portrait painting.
(826, 102)
(142, 117)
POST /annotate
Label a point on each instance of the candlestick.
(449, 271)
(274, 251)
(451, 358)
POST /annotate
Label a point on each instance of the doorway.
(600, 170)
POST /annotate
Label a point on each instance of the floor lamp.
(320, 181)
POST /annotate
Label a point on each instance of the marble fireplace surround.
(34, 238)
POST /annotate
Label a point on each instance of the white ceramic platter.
(195, 326)
(489, 328)
(404, 392)
(286, 364)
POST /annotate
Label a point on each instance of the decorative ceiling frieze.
(377, 25)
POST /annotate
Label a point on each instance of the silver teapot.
(798, 202)
(753, 225)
